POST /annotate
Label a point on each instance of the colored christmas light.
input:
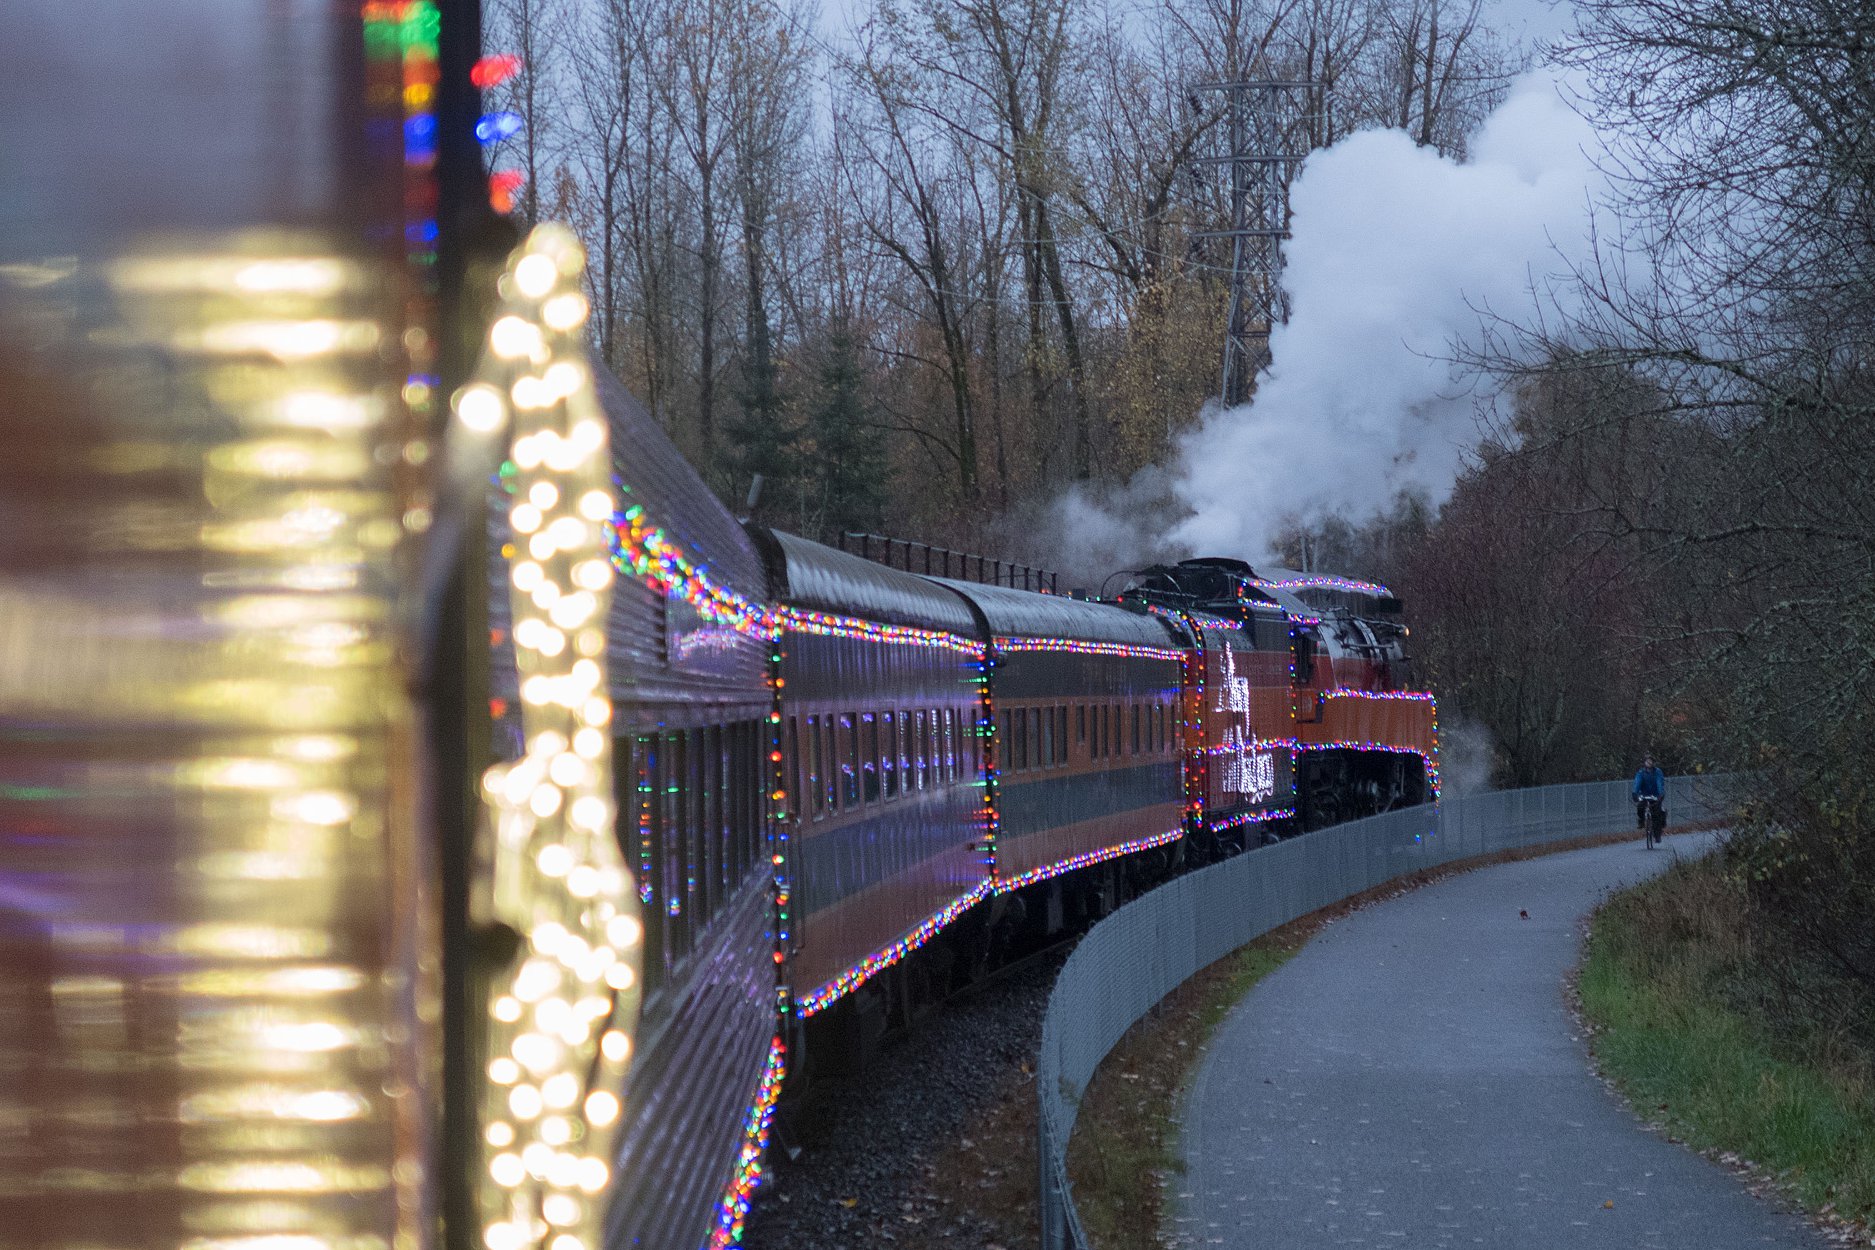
(1087, 858)
(1397, 696)
(1252, 818)
(866, 969)
(491, 71)
(494, 127)
(808, 621)
(1322, 581)
(732, 1211)
(1077, 646)
(644, 550)
(502, 187)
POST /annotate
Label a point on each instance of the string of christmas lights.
(1397, 696)
(1431, 760)
(732, 1212)
(1076, 646)
(1322, 581)
(807, 621)
(1085, 859)
(1252, 818)
(987, 767)
(559, 1023)
(866, 969)
(644, 550)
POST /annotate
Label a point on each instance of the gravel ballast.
(927, 1147)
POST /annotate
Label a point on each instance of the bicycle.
(1653, 819)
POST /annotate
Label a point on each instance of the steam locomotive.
(288, 958)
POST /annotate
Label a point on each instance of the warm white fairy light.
(560, 1019)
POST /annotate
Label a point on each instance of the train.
(850, 789)
(432, 819)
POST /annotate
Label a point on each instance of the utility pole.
(1266, 129)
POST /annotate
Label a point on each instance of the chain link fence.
(1146, 949)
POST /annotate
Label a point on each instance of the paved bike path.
(1413, 1078)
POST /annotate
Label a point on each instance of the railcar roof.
(824, 579)
(658, 478)
(1025, 614)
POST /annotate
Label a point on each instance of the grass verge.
(1125, 1148)
(1688, 1030)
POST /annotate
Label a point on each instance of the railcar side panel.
(1087, 758)
(691, 702)
(881, 696)
(885, 794)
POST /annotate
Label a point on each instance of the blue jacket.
(1649, 781)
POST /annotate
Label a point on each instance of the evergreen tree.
(848, 478)
(764, 437)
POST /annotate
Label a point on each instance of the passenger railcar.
(1085, 709)
(691, 703)
(881, 697)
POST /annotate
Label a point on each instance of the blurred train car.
(691, 704)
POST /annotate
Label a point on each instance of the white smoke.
(1395, 253)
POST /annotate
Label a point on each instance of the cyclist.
(1648, 782)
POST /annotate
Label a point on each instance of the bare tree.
(531, 30)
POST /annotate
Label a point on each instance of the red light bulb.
(492, 71)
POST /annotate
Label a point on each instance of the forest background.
(929, 271)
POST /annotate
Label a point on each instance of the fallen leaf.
(848, 1203)
(1609, 1205)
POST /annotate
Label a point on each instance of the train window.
(1136, 720)
(849, 737)
(745, 790)
(921, 749)
(888, 758)
(729, 814)
(652, 857)
(869, 758)
(1080, 724)
(794, 766)
(1045, 723)
(907, 753)
(942, 764)
(815, 763)
(1061, 734)
(1021, 718)
(830, 781)
(696, 758)
(716, 827)
(677, 761)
